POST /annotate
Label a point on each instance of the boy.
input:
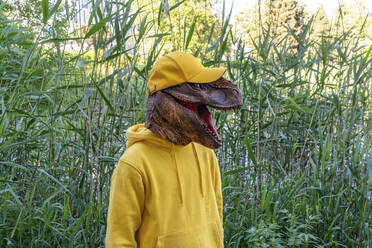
(166, 189)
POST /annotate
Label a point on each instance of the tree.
(193, 17)
(31, 14)
(283, 17)
(280, 17)
(247, 24)
(181, 24)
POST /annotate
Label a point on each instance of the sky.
(311, 5)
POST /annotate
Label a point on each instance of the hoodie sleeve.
(125, 207)
(217, 185)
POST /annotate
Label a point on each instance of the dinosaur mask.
(180, 115)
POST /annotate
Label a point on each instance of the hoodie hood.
(139, 133)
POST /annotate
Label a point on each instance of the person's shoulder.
(138, 153)
(203, 149)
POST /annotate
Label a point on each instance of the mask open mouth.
(180, 113)
(202, 111)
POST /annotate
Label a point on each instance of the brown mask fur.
(172, 121)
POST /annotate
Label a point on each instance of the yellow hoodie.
(164, 195)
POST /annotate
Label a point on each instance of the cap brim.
(208, 75)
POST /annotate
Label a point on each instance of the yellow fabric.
(164, 195)
(180, 67)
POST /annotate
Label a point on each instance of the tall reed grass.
(296, 159)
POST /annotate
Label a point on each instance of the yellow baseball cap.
(177, 68)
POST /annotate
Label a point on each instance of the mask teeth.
(212, 133)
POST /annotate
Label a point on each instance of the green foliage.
(296, 160)
(285, 20)
(181, 24)
(305, 126)
(48, 18)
